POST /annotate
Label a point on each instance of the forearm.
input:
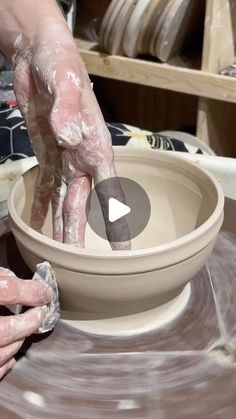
(23, 21)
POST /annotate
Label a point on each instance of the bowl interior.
(182, 198)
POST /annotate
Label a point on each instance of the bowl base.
(133, 324)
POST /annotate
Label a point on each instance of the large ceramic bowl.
(98, 283)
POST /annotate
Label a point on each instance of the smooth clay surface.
(106, 286)
(183, 370)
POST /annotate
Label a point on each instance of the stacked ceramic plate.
(161, 28)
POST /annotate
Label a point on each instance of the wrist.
(24, 23)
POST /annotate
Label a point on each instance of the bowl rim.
(128, 254)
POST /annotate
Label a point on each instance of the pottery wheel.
(185, 369)
(134, 324)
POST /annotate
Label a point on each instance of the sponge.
(46, 274)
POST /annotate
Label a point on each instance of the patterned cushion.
(14, 139)
(15, 143)
(123, 134)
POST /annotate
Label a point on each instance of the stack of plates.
(161, 28)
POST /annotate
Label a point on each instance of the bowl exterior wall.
(143, 263)
(122, 283)
(148, 259)
(119, 294)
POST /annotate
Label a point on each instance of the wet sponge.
(46, 274)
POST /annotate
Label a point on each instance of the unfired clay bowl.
(123, 292)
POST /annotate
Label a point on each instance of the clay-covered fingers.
(95, 151)
(59, 73)
(8, 352)
(44, 187)
(74, 210)
(14, 329)
(117, 231)
(6, 367)
(49, 160)
(19, 326)
(35, 106)
(25, 292)
(66, 87)
(58, 198)
(97, 157)
(65, 116)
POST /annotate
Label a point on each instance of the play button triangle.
(117, 210)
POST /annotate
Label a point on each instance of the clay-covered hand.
(65, 124)
(14, 329)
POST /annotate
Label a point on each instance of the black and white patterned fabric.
(69, 9)
(14, 139)
(127, 135)
(15, 143)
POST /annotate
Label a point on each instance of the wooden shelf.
(149, 73)
(215, 93)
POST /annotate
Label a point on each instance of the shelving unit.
(151, 73)
(216, 92)
(214, 119)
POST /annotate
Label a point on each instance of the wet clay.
(102, 285)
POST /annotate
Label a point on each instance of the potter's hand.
(13, 329)
(65, 124)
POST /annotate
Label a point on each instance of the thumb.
(66, 117)
(26, 292)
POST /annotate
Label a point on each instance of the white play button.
(132, 208)
(117, 210)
